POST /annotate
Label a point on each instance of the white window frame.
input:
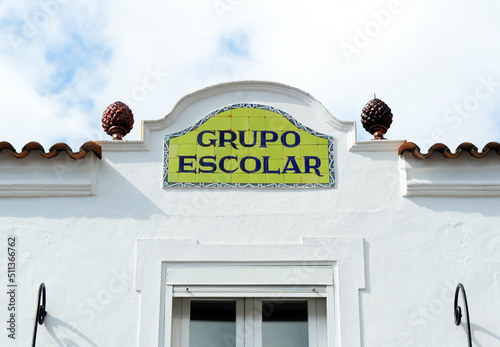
(245, 281)
(345, 256)
(249, 320)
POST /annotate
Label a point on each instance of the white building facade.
(295, 235)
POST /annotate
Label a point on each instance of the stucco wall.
(416, 248)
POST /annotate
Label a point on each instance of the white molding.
(341, 125)
(377, 146)
(346, 255)
(45, 190)
(456, 189)
(460, 177)
(94, 174)
(273, 291)
(216, 275)
(372, 145)
(39, 177)
(123, 146)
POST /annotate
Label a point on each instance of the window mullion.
(248, 322)
(256, 323)
(240, 322)
(312, 323)
(185, 321)
(176, 322)
(321, 323)
(330, 315)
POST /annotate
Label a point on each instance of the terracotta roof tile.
(54, 151)
(466, 147)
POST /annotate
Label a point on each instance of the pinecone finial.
(117, 120)
(376, 118)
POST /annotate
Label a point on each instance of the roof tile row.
(94, 147)
(54, 151)
(447, 153)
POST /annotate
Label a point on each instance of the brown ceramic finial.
(376, 118)
(117, 120)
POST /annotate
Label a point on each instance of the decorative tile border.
(249, 185)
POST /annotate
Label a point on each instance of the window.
(329, 270)
(208, 323)
(252, 322)
(283, 310)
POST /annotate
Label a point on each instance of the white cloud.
(421, 57)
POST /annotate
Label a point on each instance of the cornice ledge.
(376, 146)
(452, 189)
(45, 190)
(124, 146)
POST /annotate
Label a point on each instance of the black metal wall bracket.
(40, 311)
(458, 311)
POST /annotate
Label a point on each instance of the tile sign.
(248, 145)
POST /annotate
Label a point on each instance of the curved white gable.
(191, 108)
(289, 99)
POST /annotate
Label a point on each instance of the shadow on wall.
(476, 328)
(485, 206)
(116, 197)
(64, 335)
(366, 290)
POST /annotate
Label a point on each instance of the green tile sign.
(248, 145)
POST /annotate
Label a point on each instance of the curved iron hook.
(458, 311)
(40, 311)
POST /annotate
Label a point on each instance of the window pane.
(284, 324)
(213, 324)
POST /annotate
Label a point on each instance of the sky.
(435, 63)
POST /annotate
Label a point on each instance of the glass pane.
(213, 324)
(284, 324)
